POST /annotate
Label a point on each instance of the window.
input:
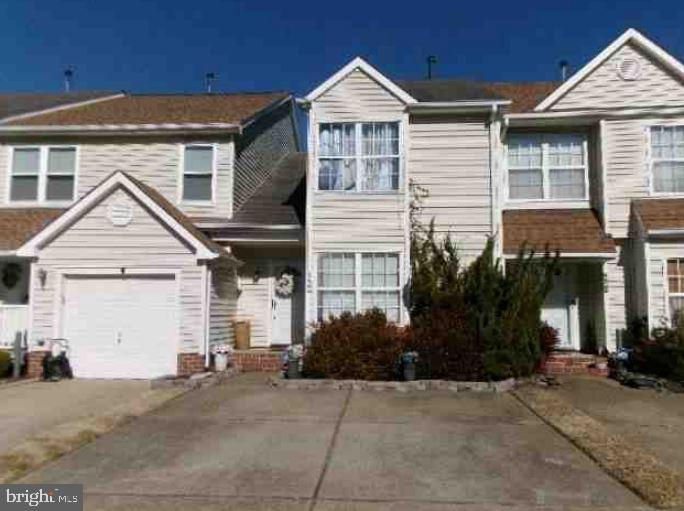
(40, 174)
(667, 159)
(198, 173)
(359, 156)
(675, 287)
(547, 167)
(349, 282)
(61, 170)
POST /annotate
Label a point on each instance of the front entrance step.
(255, 360)
(561, 362)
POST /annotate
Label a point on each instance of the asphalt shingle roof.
(18, 103)
(162, 109)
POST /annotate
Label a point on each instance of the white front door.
(281, 315)
(560, 310)
(121, 326)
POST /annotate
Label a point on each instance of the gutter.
(228, 225)
(123, 129)
(589, 116)
(666, 232)
(484, 106)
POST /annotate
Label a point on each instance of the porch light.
(42, 277)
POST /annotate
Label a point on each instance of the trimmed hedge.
(5, 363)
(358, 347)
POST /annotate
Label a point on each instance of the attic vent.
(628, 68)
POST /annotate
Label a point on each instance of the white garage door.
(121, 326)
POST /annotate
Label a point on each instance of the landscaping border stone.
(196, 381)
(397, 386)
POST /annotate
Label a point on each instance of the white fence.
(13, 321)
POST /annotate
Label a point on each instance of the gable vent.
(628, 68)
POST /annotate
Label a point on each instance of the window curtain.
(380, 151)
(337, 151)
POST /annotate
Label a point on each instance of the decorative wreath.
(285, 285)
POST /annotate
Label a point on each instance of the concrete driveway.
(244, 445)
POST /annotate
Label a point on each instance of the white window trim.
(181, 173)
(650, 161)
(575, 202)
(358, 157)
(358, 279)
(42, 174)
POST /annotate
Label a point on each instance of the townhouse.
(591, 168)
(139, 227)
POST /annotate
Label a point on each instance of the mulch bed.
(630, 464)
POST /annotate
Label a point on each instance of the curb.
(398, 386)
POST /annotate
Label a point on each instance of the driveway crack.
(331, 447)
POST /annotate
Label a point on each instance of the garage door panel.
(121, 326)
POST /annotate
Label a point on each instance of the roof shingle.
(565, 230)
(162, 109)
(660, 213)
(18, 225)
(17, 103)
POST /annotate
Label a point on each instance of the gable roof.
(203, 247)
(359, 63)
(220, 109)
(18, 225)
(570, 231)
(18, 104)
(629, 36)
(440, 90)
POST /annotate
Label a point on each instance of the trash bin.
(243, 333)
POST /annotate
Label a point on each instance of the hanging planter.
(11, 273)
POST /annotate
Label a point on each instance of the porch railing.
(13, 322)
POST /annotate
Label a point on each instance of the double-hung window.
(675, 287)
(356, 282)
(359, 156)
(667, 159)
(42, 174)
(198, 173)
(547, 167)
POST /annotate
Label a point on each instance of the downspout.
(492, 185)
(207, 307)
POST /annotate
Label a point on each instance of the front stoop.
(34, 364)
(561, 362)
(261, 361)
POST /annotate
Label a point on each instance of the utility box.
(243, 333)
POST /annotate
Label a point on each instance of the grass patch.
(15, 464)
(634, 467)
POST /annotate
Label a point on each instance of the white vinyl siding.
(42, 174)
(156, 163)
(664, 292)
(667, 159)
(626, 151)
(93, 243)
(359, 156)
(552, 167)
(603, 88)
(223, 297)
(449, 156)
(356, 282)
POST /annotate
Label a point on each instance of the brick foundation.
(190, 363)
(574, 363)
(34, 364)
(257, 361)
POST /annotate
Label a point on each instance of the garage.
(121, 326)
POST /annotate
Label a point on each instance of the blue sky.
(168, 46)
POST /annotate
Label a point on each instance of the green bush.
(493, 316)
(661, 353)
(5, 363)
(360, 347)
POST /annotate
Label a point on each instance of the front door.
(281, 309)
(559, 309)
